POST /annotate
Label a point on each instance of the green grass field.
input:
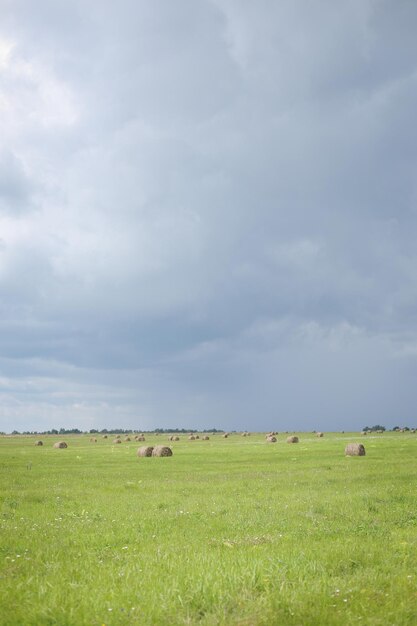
(228, 531)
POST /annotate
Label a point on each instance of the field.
(227, 531)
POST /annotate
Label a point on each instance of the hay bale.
(162, 451)
(364, 432)
(319, 434)
(38, 443)
(271, 439)
(225, 435)
(141, 438)
(197, 436)
(117, 440)
(104, 436)
(292, 439)
(93, 440)
(206, 438)
(127, 439)
(355, 449)
(60, 444)
(191, 438)
(145, 451)
(175, 438)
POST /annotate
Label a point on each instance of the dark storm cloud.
(208, 213)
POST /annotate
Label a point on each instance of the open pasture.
(232, 530)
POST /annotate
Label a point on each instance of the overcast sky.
(208, 214)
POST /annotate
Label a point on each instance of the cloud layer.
(208, 214)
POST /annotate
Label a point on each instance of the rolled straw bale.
(145, 451)
(355, 449)
(162, 451)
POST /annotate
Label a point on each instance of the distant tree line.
(378, 427)
(112, 431)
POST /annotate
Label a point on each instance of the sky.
(208, 214)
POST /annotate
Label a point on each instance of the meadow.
(225, 532)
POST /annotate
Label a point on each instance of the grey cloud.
(225, 213)
(16, 189)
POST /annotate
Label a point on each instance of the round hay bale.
(364, 433)
(225, 435)
(175, 438)
(292, 439)
(38, 443)
(319, 434)
(145, 451)
(127, 439)
(271, 439)
(117, 440)
(93, 440)
(60, 444)
(197, 436)
(162, 451)
(206, 438)
(355, 449)
(104, 436)
(141, 438)
(191, 438)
